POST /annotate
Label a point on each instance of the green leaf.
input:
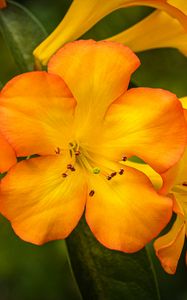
(22, 33)
(105, 274)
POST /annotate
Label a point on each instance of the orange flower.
(2, 3)
(169, 247)
(82, 121)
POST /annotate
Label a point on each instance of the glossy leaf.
(22, 33)
(105, 274)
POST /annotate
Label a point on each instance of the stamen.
(64, 175)
(124, 158)
(77, 152)
(184, 183)
(57, 150)
(71, 145)
(113, 174)
(91, 193)
(109, 177)
(69, 166)
(72, 169)
(121, 171)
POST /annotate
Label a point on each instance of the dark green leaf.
(22, 33)
(103, 274)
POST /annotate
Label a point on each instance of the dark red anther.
(69, 166)
(113, 174)
(64, 175)
(121, 171)
(184, 183)
(72, 169)
(109, 177)
(91, 193)
(77, 152)
(124, 158)
(57, 150)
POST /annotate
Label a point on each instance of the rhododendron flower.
(2, 3)
(83, 122)
(169, 247)
(82, 15)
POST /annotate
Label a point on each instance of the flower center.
(81, 157)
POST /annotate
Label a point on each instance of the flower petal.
(116, 212)
(176, 177)
(148, 123)
(40, 204)
(180, 4)
(154, 177)
(140, 37)
(96, 72)
(169, 247)
(7, 155)
(36, 110)
(82, 15)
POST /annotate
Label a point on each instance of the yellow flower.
(82, 15)
(158, 30)
(82, 121)
(169, 246)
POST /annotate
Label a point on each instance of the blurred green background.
(30, 272)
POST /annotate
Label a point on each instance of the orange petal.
(169, 179)
(179, 4)
(169, 247)
(117, 214)
(148, 123)
(39, 202)
(36, 110)
(96, 72)
(176, 177)
(7, 155)
(154, 177)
